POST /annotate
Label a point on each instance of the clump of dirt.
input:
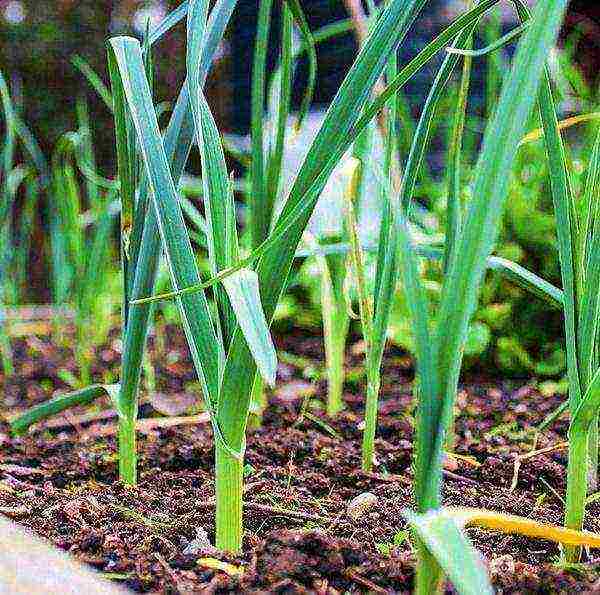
(302, 471)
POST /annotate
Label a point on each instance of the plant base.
(127, 451)
(228, 487)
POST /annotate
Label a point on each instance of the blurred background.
(40, 38)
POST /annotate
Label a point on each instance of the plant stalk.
(336, 323)
(371, 409)
(228, 488)
(258, 402)
(5, 347)
(429, 578)
(593, 453)
(577, 473)
(127, 450)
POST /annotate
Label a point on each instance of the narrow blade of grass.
(61, 403)
(481, 227)
(206, 350)
(261, 204)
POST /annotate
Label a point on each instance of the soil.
(303, 470)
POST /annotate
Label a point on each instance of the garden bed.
(303, 472)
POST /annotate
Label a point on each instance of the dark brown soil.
(302, 472)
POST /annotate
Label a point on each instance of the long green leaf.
(260, 203)
(422, 134)
(243, 291)
(174, 17)
(207, 352)
(62, 403)
(309, 46)
(499, 43)
(280, 111)
(217, 195)
(589, 253)
(480, 231)
(95, 81)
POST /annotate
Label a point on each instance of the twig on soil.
(152, 423)
(560, 498)
(22, 484)
(373, 588)
(265, 508)
(21, 470)
(294, 514)
(143, 425)
(457, 477)
(13, 512)
(388, 478)
(323, 425)
(64, 421)
(140, 518)
(520, 458)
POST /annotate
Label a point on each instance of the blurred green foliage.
(512, 332)
(39, 38)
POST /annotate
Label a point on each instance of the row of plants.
(227, 312)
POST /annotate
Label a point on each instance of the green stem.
(335, 328)
(8, 367)
(429, 576)
(57, 405)
(577, 472)
(83, 347)
(593, 456)
(258, 402)
(335, 345)
(228, 487)
(371, 408)
(127, 450)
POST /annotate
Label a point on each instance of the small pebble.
(358, 506)
(199, 544)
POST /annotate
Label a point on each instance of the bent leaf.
(244, 295)
(85, 396)
(442, 534)
(567, 123)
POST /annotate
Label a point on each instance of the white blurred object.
(153, 12)
(14, 12)
(508, 15)
(31, 566)
(327, 218)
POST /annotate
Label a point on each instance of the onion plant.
(81, 223)
(23, 175)
(275, 261)
(578, 233)
(343, 123)
(439, 351)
